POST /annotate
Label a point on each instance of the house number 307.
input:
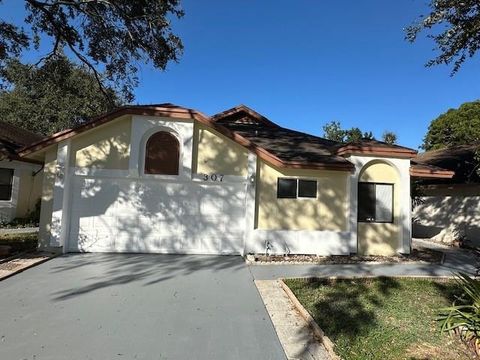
(213, 177)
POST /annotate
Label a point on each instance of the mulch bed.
(15, 264)
(417, 255)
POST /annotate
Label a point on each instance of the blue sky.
(303, 63)
(306, 62)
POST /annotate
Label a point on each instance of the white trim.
(86, 171)
(143, 150)
(166, 251)
(250, 195)
(143, 127)
(61, 196)
(283, 242)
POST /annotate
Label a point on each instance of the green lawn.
(382, 318)
(20, 242)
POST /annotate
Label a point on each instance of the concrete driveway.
(116, 306)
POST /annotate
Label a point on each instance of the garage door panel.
(152, 216)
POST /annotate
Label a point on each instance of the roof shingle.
(13, 138)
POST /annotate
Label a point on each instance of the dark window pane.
(5, 192)
(6, 179)
(366, 202)
(162, 154)
(307, 188)
(287, 188)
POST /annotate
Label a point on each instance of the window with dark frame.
(286, 188)
(162, 154)
(296, 188)
(6, 181)
(375, 202)
(307, 188)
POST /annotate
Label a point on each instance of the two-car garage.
(142, 215)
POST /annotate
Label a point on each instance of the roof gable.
(279, 146)
(242, 115)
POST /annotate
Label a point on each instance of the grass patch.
(20, 242)
(382, 318)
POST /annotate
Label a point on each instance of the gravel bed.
(423, 255)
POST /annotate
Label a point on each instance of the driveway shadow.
(100, 271)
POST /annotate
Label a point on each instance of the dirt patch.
(452, 349)
(417, 255)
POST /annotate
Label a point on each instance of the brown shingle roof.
(13, 138)
(280, 146)
(291, 146)
(294, 146)
(460, 160)
(375, 147)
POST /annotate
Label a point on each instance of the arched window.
(162, 154)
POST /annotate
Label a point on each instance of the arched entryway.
(379, 226)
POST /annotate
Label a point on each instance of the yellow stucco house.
(168, 179)
(20, 178)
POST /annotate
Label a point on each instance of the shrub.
(463, 317)
(32, 219)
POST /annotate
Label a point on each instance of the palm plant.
(463, 316)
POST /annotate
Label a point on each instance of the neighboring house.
(163, 178)
(20, 178)
(449, 209)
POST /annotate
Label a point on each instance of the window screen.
(6, 177)
(287, 188)
(384, 204)
(375, 202)
(307, 188)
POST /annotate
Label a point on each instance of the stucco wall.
(30, 191)
(105, 147)
(381, 238)
(214, 153)
(49, 171)
(109, 147)
(26, 190)
(329, 211)
(448, 214)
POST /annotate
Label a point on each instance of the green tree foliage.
(333, 131)
(110, 37)
(389, 137)
(53, 97)
(455, 127)
(454, 26)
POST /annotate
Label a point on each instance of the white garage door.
(120, 215)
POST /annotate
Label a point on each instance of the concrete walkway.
(26, 230)
(455, 260)
(294, 333)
